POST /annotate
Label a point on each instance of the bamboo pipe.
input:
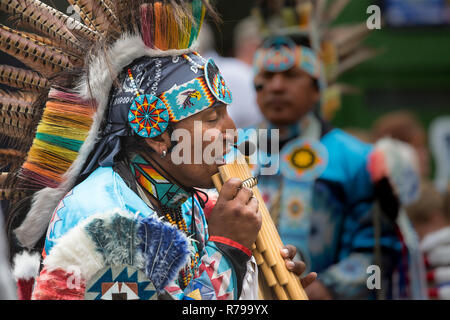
(270, 278)
(269, 243)
(268, 234)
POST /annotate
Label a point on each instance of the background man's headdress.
(89, 82)
(311, 24)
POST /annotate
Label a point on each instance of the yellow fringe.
(67, 133)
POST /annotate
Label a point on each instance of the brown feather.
(3, 177)
(44, 19)
(42, 39)
(22, 79)
(11, 194)
(358, 57)
(348, 37)
(76, 58)
(18, 118)
(11, 128)
(18, 106)
(97, 15)
(40, 58)
(320, 10)
(75, 26)
(11, 155)
(334, 9)
(107, 9)
(49, 44)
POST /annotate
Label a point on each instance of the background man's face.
(285, 97)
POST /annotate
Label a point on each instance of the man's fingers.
(289, 252)
(310, 278)
(244, 195)
(297, 267)
(253, 204)
(230, 189)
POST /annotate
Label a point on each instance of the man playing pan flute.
(115, 216)
(329, 184)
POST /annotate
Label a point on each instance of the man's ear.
(160, 143)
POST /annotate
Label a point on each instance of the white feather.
(26, 265)
(36, 222)
(403, 168)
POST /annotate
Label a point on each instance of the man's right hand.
(236, 215)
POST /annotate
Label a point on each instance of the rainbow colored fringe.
(165, 28)
(60, 134)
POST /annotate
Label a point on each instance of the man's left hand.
(298, 267)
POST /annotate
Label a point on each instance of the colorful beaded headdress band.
(152, 110)
(280, 53)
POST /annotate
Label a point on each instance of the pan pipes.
(276, 281)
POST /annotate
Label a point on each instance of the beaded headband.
(280, 54)
(150, 113)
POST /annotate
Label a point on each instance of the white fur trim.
(36, 222)
(403, 168)
(104, 67)
(435, 239)
(76, 253)
(26, 266)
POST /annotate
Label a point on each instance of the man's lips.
(277, 104)
(220, 160)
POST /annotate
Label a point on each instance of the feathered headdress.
(58, 114)
(311, 23)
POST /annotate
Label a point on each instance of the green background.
(412, 72)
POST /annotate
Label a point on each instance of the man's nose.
(228, 122)
(277, 82)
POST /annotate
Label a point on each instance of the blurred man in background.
(404, 126)
(333, 196)
(431, 218)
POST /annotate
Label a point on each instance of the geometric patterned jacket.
(218, 273)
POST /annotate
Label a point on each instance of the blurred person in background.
(330, 186)
(238, 70)
(403, 125)
(431, 218)
(429, 213)
(424, 215)
(439, 137)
